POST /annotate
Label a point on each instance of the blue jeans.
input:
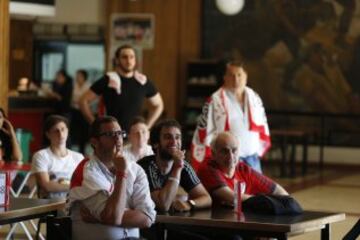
(252, 161)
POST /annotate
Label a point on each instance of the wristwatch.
(192, 203)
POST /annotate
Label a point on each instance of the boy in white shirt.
(54, 165)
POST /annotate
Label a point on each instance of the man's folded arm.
(135, 219)
(104, 208)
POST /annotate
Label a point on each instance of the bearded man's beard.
(126, 69)
(165, 155)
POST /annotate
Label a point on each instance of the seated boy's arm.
(43, 180)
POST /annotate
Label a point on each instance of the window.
(51, 56)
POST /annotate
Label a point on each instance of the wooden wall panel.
(189, 44)
(4, 53)
(176, 40)
(21, 51)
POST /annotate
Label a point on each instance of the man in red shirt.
(220, 173)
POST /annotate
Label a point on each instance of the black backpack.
(272, 204)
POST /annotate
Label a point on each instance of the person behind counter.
(61, 91)
(9, 147)
(79, 125)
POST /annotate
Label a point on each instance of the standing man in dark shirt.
(167, 170)
(123, 91)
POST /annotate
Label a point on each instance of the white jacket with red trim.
(91, 176)
(215, 119)
(91, 186)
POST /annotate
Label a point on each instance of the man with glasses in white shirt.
(109, 195)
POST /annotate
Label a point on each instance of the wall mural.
(301, 55)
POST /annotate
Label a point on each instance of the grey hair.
(213, 143)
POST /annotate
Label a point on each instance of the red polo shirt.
(255, 183)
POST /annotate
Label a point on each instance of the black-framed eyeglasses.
(121, 133)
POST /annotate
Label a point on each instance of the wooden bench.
(284, 137)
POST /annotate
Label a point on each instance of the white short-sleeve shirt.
(240, 125)
(57, 167)
(132, 157)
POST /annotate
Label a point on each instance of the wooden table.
(21, 209)
(250, 225)
(14, 170)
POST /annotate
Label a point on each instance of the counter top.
(30, 102)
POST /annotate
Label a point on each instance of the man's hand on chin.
(120, 163)
(179, 157)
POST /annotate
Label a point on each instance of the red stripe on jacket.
(78, 175)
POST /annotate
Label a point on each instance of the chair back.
(354, 232)
(58, 228)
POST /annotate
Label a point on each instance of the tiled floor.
(336, 189)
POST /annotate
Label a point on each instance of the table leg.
(36, 228)
(160, 231)
(305, 155)
(10, 233)
(16, 195)
(284, 237)
(322, 142)
(325, 232)
(284, 156)
(293, 158)
(27, 233)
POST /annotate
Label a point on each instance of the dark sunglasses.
(113, 134)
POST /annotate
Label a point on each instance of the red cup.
(237, 196)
